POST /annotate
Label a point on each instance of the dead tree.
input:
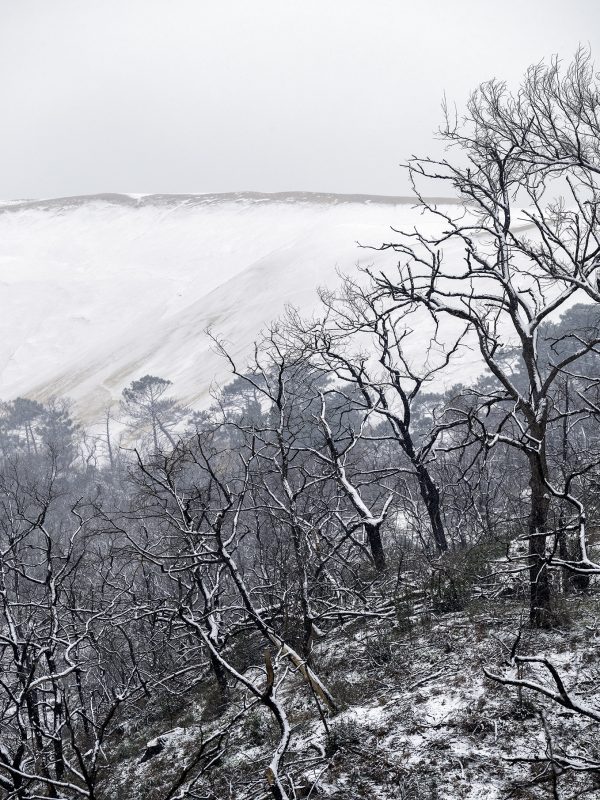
(210, 510)
(66, 629)
(369, 345)
(540, 677)
(335, 456)
(503, 269)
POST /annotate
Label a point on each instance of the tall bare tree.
(512, 255)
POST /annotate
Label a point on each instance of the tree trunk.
(431, 498)
(563, 544)
(540, 613)
(376, 545)
(221, 677)
(301, 557)
(563, 552)
(154, 434)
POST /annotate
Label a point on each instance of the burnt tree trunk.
(431, 498)
(221, 679)
(429, 492)
(540, 608)
(376, 545)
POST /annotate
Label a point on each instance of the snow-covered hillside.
(96, 291)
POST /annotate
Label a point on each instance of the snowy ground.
(97, 291)
(419, 719)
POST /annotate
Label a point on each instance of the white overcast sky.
(264, 95)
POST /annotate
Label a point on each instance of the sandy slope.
(96, 291)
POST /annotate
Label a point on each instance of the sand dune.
(96, 291)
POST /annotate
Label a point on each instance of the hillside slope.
(96, 291)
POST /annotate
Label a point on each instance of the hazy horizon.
(141, 197)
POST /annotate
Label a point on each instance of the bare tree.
(66, 629)
(368, 344)
(504, 271)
